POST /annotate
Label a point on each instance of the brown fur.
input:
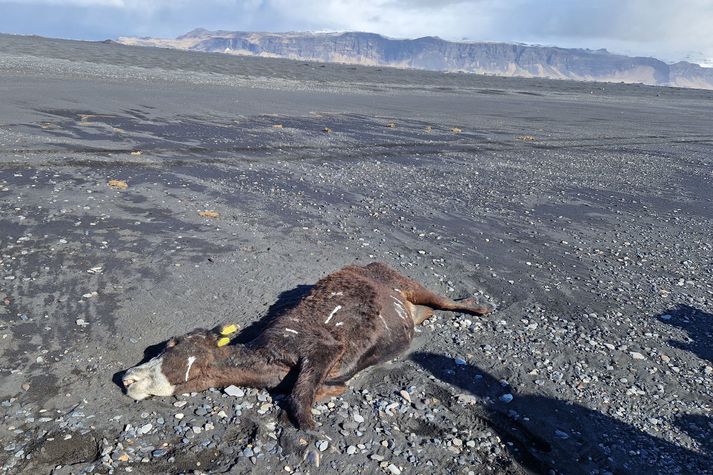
(351, 319)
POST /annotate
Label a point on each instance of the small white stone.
(393, 469)
(234, 391)
(637, 356)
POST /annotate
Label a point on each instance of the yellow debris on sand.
(526, 138)
(118, 184)
(209, 214)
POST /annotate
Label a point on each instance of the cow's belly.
(393, 331)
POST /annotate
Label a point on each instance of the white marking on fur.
(400, 311)
(399, 308)
(332, 314)
(335, 293)
(338, 323)
(191, 360)
(291, 331)
(385, 325)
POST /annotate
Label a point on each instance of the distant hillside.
(503, 59)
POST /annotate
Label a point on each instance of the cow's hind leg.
(421, 313)
(421, 296)
(313, 370)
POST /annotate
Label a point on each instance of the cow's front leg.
(312, 373)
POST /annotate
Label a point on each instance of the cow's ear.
(171, 343)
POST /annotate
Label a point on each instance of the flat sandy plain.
(584, 211)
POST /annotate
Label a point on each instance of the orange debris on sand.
(118, 184)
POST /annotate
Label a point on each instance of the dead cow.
(352, 319)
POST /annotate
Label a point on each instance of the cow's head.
(184, 365)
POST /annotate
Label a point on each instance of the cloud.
(652, 27)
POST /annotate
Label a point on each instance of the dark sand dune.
(583, 210)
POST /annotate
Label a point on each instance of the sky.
(667, 29)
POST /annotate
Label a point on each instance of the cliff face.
(436, 54)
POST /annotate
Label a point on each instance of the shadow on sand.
(545, 433)
(699, 326)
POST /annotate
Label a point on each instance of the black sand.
(584, 211)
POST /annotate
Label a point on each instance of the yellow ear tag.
(229, 329)
(223, 341)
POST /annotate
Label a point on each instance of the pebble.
(322, 445)
(351, 450)
(358, 418)
(159, 452)
(393, 469)
(637, 356)
(234, 391)
(179, 415)
(404, 394)
(312, 457)
(144, 429)
(506, 398)
(460, 361)
(561, 434)
(350, 425)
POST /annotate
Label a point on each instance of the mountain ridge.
(436, 54)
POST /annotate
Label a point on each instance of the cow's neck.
(248, 365)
